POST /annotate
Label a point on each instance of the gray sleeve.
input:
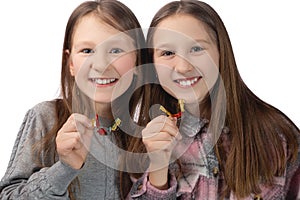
(24, 179)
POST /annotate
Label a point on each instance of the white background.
(265, 36)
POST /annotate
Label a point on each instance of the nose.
(182, 65)
(99, 61)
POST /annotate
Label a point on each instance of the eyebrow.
(202, 41)
(169, 44)
(109, 41)
(161, 46)
(121, 40)
(83, 43)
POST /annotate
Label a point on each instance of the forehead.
(90, 25)
(180, 26)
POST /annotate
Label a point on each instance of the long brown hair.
(257, 129)
(109, 12)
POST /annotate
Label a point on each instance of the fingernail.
(178, 135)
(91, 124)
(175, 120)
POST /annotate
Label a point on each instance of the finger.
(87, 137)
(77, 119)
(83, 120)
(77, 122)
(170, 130)
(68, 135)
(161, 136)
(83, 137)
(155, 125)
(158, 145)
(68, 142)
(162, 119)
(178, 136)
(159, 124)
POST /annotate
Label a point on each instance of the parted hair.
(108, 11)
(258, 130)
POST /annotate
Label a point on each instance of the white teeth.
(187, 82)
(104, 81)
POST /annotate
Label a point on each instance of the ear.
(71, 66)
(135, 72)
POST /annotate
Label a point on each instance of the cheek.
(211, 72)
(162, 71)
(78, 63)
(169, 63)
(124, 66)
(207, 66)
(164, 74)
(125, 63)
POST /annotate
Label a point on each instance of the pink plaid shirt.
(200, 174)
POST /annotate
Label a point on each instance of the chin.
(102, 99)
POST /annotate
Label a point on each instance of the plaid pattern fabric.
(198, 176)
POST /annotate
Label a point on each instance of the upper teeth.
(104, 81)
(187, 82)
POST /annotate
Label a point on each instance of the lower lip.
(187, 86)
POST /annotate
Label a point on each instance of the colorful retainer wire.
(103, 130)
(177, 115)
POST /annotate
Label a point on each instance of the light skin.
(100, 56)
(186, 61)
(102, 60)
(185, 58)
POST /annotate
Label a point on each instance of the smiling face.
(185, 57)
(102, 59)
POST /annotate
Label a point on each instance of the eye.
(116, 50)
(87, 51)
(196, 49)
(167, 53)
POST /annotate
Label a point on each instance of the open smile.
(187, 82)
(103, 81)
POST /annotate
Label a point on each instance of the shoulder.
(45, 107)
(41, 115)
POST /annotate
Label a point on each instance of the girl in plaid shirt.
(225, 143)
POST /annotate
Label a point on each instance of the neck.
(104, 110)
(193, 108)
